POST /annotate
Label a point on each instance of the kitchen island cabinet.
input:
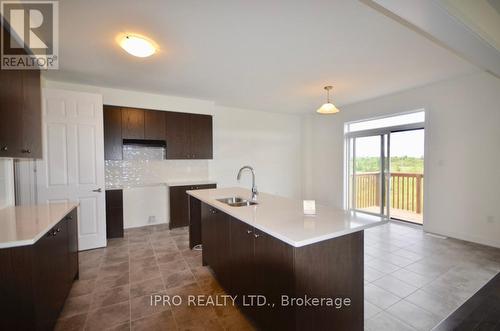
(272, 250)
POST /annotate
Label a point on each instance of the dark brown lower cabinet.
(114, 214)
(248, 262)
(35, 280)
(179, 203)
(215, 237)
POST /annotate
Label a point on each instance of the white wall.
(6, 183)
(145, 206)
(462, 172)
(269, 142)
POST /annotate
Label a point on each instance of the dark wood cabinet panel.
(46, 289)
(35, 280)
(114, 213)
(242, 261)
(273, 278)
(154, 125)
(32, 115)
(20, 114)
(177, 135)
(208, 234)
(222, 265)
(201, 140)
(342, 277)
(194, 222)
(17, 311)
(71, 220)
(11, 115)
(216, 237)
(132, 123)
(113, 141)
(179, 205)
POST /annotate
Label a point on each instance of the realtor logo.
(30, 34)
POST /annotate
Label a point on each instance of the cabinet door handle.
(249, 231)
(5, 149)
(99, 190)
(58, 230)
(26, 151)
(256, 235)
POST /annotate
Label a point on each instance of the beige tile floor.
(412, 281)
(116, 284)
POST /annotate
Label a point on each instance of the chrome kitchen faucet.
(254, 188)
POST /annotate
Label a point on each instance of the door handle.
(249, 231)
(26, 150)
(256, 235)
(4, 149)
(99, 190)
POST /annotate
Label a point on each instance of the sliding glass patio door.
(368, 174)
(406, 193)
(384, 173)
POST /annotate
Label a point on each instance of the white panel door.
(72, 168)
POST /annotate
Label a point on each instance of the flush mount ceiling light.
(137, 45)
(328, 107)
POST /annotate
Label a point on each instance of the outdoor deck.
(400, 214)
(405, 194)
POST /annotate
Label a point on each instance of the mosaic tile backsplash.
(132, 152)
(147, 165)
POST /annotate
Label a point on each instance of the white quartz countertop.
(283, 218)
(190, 182)
(169, 183)
(24, 225)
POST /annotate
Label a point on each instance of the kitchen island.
(289, 271)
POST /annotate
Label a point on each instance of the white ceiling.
(264, 55)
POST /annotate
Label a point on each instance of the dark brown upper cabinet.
(132, 123)
(113, 141)
(177, 135)
(201, 136)
(32, 115)
(189, 136)
(154, 125)
(20, 114)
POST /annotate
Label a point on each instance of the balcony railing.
(406, 191)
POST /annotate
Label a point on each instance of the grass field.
(398, 164)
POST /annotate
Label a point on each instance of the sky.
(407, 143)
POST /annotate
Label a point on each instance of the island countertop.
(24, 225)
(284, 219)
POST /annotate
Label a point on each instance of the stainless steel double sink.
(237, 202)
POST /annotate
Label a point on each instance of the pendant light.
(328, 107)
